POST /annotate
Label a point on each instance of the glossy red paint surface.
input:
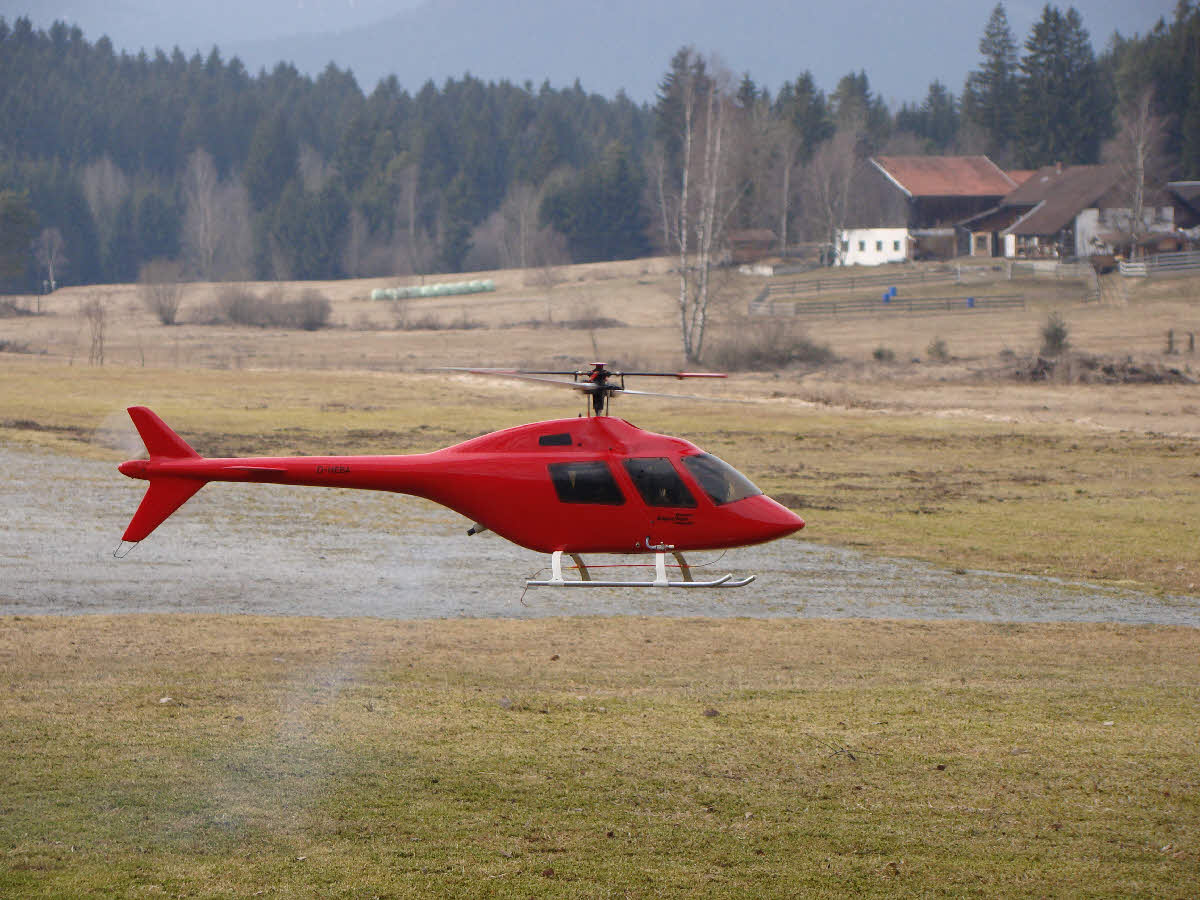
(501, 480)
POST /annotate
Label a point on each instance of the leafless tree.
(789, 144)
(828, 181)
(358, 236)
(160, 288)
(1138, 151)
(95, 314)
(200, 228)
(414, 248)
(695, 194)
(314, 170)
(105, 187)
(217, 240)
(50, 251)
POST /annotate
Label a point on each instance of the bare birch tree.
(217, 235)
(50, 251)
(1138, 151)
(828, 181)
(200, 234)
(692, 185)
(105, 186)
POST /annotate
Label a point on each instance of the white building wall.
(873, 246)
(1087, 229)
(1090, 223)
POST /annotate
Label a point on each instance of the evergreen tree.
(802, 105)
(1066, 103)
(157, 224)
(990, 98)
(272, 162)
(600, 212)
(18, 222)
(935, 121)
(856, 108)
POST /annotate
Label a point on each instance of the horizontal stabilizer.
(163, 497)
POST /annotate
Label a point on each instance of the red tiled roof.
(1020, 176)
(946, 176)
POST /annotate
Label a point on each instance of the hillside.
(625, 313)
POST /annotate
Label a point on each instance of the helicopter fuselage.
(592, 484)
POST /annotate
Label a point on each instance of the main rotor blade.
(674, 396)
(587, 387)
(679, 375)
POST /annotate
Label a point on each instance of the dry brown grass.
(640, 294)
(219, 756)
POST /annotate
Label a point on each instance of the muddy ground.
(300, 551)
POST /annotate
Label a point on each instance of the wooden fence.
(877, 306)
(1183, 263)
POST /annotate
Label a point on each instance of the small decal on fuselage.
(323, 469)
(679, 518)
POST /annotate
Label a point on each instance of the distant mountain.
(608, 46)
(627, 44)
(624, 44)
(136, 24)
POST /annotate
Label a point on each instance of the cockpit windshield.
(721, 481)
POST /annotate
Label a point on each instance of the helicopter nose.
(782, 520)
(766, 520)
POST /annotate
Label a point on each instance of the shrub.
(310, 311)
(884, 354)
(1054, 336)
(159, 287)
(765, 344)
(937, 350)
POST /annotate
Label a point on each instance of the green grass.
(574, 757)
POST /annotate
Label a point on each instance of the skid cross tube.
(661, 580)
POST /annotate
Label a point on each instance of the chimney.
(1058, 167)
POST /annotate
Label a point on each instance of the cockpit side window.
(658, 482)
(585, 482)
(721, 481)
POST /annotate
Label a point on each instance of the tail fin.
(163, 497)
(165, 493)
(158, 437)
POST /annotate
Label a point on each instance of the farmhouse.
(748, 245)
(906, 207)
(1061, 211)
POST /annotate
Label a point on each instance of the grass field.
(194, 756)
(181, 756)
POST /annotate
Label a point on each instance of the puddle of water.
(274, 550)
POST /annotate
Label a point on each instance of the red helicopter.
(592, 484)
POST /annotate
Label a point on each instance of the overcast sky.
(617, 44)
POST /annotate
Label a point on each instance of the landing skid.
(660, 575)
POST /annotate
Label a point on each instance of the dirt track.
(296, 551)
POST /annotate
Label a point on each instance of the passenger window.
(585, 482)
(658, 482)
(555, 440)
(721, 481)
